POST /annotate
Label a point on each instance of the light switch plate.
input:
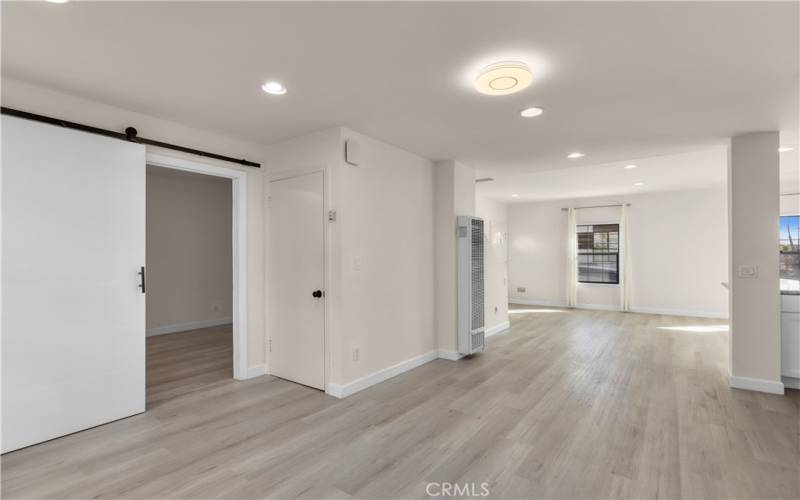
(748, 271)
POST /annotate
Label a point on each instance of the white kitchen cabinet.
(790, 340)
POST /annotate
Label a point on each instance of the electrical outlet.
(495, 309)
(356, 354)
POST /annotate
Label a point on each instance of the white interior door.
(73, 315)
(297, 332)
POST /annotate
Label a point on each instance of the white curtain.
(625, 260)
(572, 264)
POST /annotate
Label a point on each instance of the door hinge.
(270, 345)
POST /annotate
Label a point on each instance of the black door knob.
(317, 293)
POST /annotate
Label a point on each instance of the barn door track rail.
(130, 134)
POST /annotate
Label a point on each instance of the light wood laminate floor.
(568, 404)
(183, 363)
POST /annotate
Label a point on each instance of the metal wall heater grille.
(477, 340)
(470, 267)
(477, 275)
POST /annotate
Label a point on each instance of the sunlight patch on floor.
(696, 328)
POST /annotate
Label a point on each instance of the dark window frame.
(598, 251)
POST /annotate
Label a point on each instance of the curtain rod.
(599, 206)
(129, 135)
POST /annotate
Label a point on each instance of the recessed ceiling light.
(574, 155)
(57, 1)
(274, 88)
(503, 78)
(785, 150)
(531, 112)
(515, 195)
(630, 167)
(638, 184)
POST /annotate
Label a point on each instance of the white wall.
(16, 94)
(678, 251)
(495, 226)
(386, 223)
(383, 306)
(189, 258)
(754, 208)
(455, 195)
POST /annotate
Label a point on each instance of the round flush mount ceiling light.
(531, 112)
(274, 88)
(630, 167)
(638, 184)
(575, 155)
(515, 195)
(57, 1)
(503, 78)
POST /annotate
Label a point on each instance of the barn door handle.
(141, 274)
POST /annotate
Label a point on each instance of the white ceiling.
(617, 80)
(695, 170)
(662, 173)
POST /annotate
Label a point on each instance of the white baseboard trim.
(791, 382)
(191, 325)
(556, 303)
(350, 388)
(692, 313)
(256, 371)
(756, 384)
(449, 355)
(597, 307)
(496, 329)
(528, 302)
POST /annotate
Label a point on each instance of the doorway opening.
(196, 268)
(189, 282)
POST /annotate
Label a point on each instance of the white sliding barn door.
(73, 316)
(297, 333)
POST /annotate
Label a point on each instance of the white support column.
(753, 216)
(454, 195)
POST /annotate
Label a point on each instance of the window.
(598, 253)
(790, 252)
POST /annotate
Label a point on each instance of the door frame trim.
(326, 266)
(238, 240)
